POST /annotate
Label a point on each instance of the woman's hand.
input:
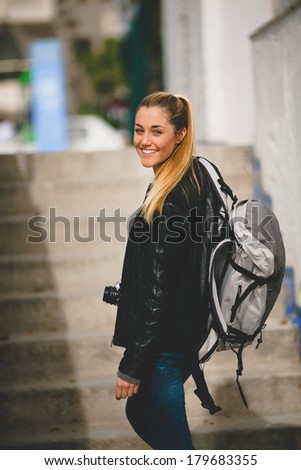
(125, 389)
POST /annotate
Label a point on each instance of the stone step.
(101, 166)
(79, 197)
(62, 274)
(119, 436)
(216, 433)
(58, 357)
(58, 403)
(248, 431)
(85, 184)
(71, 183)
(269, 389)
(88, 197)
(236, 166)
(66, 234)
(40, 357)
(51, 312)
(231, 160)
(275, 391)
(108, 166)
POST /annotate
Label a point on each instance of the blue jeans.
(157, 412)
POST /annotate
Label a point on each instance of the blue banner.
(49, 110)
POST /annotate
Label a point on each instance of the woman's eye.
(157, 132)
(138, 131)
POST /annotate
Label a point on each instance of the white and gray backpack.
(245, 276)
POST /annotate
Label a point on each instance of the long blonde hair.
(179, 113)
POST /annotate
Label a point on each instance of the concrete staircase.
(57, 369)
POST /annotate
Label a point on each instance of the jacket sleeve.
(163, 252)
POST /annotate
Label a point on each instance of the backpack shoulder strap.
(217, 182)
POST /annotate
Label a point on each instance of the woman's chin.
(146, 163)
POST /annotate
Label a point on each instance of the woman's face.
(155, 138)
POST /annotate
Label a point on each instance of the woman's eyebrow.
(154, 126)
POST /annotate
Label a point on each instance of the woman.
(163, 303)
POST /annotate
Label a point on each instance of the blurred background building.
(85, 28)
(239, 62)
(116, 51)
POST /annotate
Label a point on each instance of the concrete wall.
(182, 45)
(277, 69)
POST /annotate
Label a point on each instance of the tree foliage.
(105, 67)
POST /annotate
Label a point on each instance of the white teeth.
(148, 152)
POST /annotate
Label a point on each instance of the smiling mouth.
(148, 152)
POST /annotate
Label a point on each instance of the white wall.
(207, 56)
(277, 63)
(227, 57)
(279, 6)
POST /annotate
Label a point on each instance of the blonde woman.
(163, 304)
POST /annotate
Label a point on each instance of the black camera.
(111, 294)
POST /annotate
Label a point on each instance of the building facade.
(277, 140)
(208, 57)
(72, 21)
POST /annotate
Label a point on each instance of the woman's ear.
(181, 134)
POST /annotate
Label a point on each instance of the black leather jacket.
(163, 305)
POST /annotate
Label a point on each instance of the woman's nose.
(146, 139)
